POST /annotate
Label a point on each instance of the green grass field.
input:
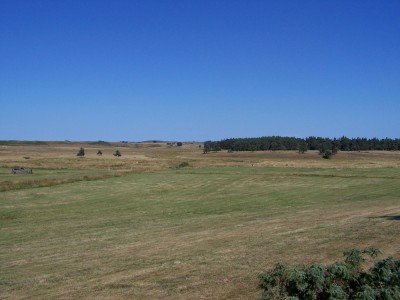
(191, 233)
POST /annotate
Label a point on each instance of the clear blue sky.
(197, 70)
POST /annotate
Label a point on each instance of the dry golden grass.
(157, 156)
(203, 232)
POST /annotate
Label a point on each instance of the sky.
(186, 70)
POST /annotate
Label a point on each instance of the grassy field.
(138, 227)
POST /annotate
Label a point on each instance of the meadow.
(141, 227)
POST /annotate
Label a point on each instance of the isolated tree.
(302, 146)
(81, 152)
(206, 149)
(117, 153)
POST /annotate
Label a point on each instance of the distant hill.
(21, 143)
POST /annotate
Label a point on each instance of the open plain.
(169, 222)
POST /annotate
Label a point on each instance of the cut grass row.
(46, 178)
(189, 233)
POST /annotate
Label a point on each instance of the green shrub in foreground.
(341, 280)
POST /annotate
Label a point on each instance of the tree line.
(302, 145)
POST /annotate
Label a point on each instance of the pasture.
(139, 227)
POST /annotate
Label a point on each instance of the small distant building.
(21, 170)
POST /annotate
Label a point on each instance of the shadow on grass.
(393, 218)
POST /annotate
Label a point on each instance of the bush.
(341, 280)
(81, 152)
(179, 144)
(117, 153)
(327, 154)
(183, 164)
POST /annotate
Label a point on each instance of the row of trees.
(302, 145)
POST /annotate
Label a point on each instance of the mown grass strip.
(10, 185)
